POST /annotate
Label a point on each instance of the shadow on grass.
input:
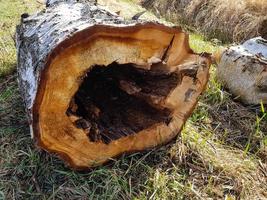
(231, 122)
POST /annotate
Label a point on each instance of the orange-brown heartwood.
(96, 85)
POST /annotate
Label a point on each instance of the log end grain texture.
(97, 86)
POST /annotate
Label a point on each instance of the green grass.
(10, 16)
(220, 154)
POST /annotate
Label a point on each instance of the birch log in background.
(243, 70)
(96, 85)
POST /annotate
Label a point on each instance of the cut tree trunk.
(96, 85)
(243, 70)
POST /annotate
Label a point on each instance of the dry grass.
(226, 20)
(257, 6)
(221, 153)
(218, 170)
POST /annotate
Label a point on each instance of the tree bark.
(243, 70)
(96, 86)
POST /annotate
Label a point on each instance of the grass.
(10, 15)
(220, 154)
(226, 20)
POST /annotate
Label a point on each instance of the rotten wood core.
(120, 100)
(97, 86)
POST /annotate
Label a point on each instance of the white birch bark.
(243, 70)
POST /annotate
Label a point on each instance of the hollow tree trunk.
(96, 86)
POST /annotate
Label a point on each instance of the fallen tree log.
(243, 70)
(96, 85)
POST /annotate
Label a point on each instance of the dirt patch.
(225, 20)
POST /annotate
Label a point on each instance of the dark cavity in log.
(115, 101)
